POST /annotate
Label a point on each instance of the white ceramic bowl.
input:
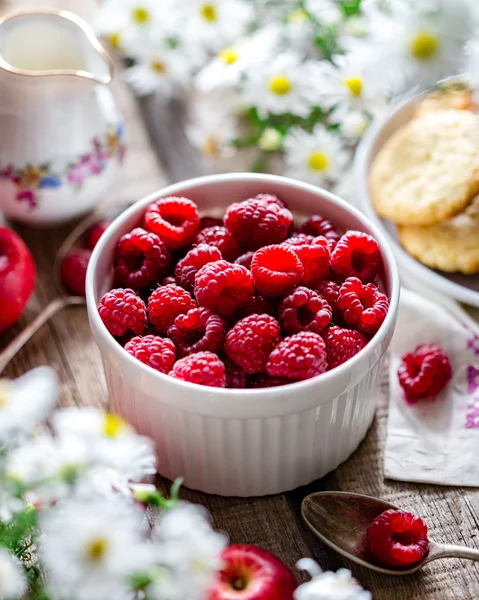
(464, 288)
(245, 442)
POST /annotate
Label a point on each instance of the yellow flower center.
(297, 16)
(280, 85)
(354, 85)
(158, 67)
(5, 391)
(208, 12)
(141, 15)
(228, 56)
(114, 40)
(113, 425)
(96, 549)
(318, 161)
(423, 45)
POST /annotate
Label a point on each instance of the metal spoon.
(340, 520)
(63, 299)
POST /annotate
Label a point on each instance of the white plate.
(464, 288)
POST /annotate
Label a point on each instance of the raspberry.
(73, 270)
(259, 305)
(251, 341)
(270, 198)
(168, 281)
(362, 305)
(94, 233)
(356, 255)
(223, 287)
(342, 344)
(256, 223)
(236, 378)
(316, 225)
(397, 538)
(222, 239)
(203, 368)
(424, 372)
(174, 220)
(166, 303)
(141, 259)
(298, 357)
(245, 259)
(315, 258)
(263, 380)
(299, 239)
(197, 330)
(304, 310)
(210, 222)
(196, 258)
(121, 310)
(276, 270)
(156, 352)
(329, 290)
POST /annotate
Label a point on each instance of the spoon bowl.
(341, 519)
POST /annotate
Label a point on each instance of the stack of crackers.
(426, 180)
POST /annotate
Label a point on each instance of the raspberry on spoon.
(425, 372)
(397, 538)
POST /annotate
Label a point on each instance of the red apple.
(17, 277)
(251, 573)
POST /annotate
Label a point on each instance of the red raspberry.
(256, 223)
(222, 239)
(362, 305)
(276, 270)
(197, 330)
(141, 259)
(356, 255)
(196, 258)
(166, 303)
(210, 222)
(259, 305)
(270, 198)
(316, 225)
(245, 259)
(251, 341)
(156, 352)
(397, 538)
(263, 380)
(343, 344)
(73, 270)
(304, 310)
(315, 258)
(299, 239)
(298, 357)
(121, 310)
(203, 368)
(236, 378)
(168, 281)
(223, 287)
(425, 372)
(329, 290)
(94, 233)
(174, 220)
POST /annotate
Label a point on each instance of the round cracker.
(427, 171)
(452, 246)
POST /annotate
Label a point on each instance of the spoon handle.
(452, 551)
(45, 315)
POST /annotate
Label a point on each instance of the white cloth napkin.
(434, 441)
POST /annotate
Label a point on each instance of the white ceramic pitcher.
(61, 133)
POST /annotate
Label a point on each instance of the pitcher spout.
(50, 43)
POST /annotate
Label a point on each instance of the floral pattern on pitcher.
(31, 178)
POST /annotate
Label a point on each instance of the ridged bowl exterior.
(245, 442)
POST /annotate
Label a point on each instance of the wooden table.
(159, 153)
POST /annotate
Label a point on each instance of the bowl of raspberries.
(242, 321)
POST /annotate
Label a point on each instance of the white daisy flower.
(327, 12)
(188, 549)
(286, 84)
(26, 401)
(12, 578)
(347, 85)
(90, 549)
(214, 24)
(328, 586)
(109, 440)
(353, 125)
(420, 43)
(317, 157)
